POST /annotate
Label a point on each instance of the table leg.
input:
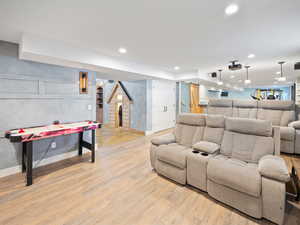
(93, 146)
(80, 138)
(23, 157)
(29, 163)
(295, 178)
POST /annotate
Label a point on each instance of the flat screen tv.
(224, 93)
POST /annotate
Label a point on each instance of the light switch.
(89, 107)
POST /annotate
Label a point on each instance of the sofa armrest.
(164, 140)
(295, 124)
(273, 167)
(205, 146)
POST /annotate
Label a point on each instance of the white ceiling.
(195, 35)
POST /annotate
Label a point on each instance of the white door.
(163, 104)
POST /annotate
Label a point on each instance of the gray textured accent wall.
(33, 94)
(138, 91)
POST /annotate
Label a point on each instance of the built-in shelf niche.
(83, 83)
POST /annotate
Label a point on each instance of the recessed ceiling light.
(122, 50)
(251, 56)
(281, 79)
(247, 81)
(232, 76)
(231, 9)
(176, 68)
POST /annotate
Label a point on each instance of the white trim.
(149, 132)
(17, 169)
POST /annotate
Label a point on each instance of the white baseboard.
(18, 169)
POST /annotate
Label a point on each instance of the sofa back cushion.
(189, 128)
(247, 139)
(214, 129)
(244, 109)
(220, 107)
(280, 113)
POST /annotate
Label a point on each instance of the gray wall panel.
(19, 86)
(35, 94)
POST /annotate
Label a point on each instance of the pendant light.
(220, 82)
(281, 78)
(247, 81)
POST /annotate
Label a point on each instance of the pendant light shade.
(281, 78)
(247, 81)
(220, 82)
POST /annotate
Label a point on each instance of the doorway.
(119, 115)
(99, 102)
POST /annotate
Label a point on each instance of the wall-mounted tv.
(224, 94)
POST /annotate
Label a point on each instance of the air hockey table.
(26, 136)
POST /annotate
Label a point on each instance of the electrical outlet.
(53, 145)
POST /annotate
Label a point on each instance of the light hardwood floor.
(120, 189)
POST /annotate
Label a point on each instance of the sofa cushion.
(244, 109)
(277, 105)
(235, 174)
(214, 135)
(191, 119)
(198, 136)
(187, 135)
(295, 124)
(245, 104)
(249, 126)
(217, 121)
(205, 146)
(184, 134)
(250, 113)
(287, 133)
(249, 148)
(225, 111)
(287, 117)
(271, 115)
(173, 154)
(274, 167)
(220, 102)
(164, 139)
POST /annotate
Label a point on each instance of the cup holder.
(204, 154)
(196, 152)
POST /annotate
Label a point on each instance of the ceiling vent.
(234, 65)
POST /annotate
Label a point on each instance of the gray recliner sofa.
(233, 159)
(280, 113)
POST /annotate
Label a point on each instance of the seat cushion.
(235, 174)
(173, 154)
(287, 133)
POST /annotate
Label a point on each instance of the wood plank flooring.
(119, 189)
